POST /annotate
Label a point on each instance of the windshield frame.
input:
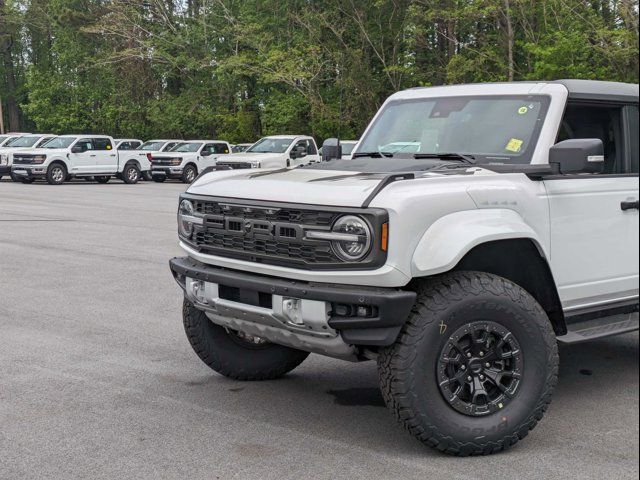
(523, 158)
(198, 146)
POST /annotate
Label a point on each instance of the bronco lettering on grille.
(252, 228)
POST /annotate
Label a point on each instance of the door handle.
(92, 155)
(630, 205)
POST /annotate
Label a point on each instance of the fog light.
(198, 291)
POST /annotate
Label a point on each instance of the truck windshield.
(491, 129)
(59, 142)
(2, 139)
(151, 146)
(271, 145)
(187, 147)
(28, 141)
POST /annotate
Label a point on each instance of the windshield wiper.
(447, 156)
(372, 154)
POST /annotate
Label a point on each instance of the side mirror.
(331, 149)
(205, 153)
(78, 149)
(580, 155)
(298, 152)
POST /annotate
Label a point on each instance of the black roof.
(597, 90)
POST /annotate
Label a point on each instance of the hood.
(42, 151)
(251, 157)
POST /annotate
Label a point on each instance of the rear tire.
(56, 174)
(146, 176)
(474, 367)
(232, 356)
(189, 174)
(102, 179)
(131, 174)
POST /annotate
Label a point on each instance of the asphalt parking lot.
(97, 379)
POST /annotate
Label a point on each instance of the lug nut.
(481, 377)
(482, 354)
(463, 367)
(469, 378)
(487, 364)
(469, 355)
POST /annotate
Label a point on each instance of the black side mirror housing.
(78, 149)
(331, 149)
(205, 153)
(298, 152)
(579, 155)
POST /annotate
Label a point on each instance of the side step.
(600, 328)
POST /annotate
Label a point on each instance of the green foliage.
(239, 69)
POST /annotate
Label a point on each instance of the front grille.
(162, 161)
(21, 159)
(235, 165)
(274, 233)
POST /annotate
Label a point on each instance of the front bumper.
(5, 170)
(29, 171)
(388, 307)
(170, 172)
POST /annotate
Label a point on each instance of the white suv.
(510, 225)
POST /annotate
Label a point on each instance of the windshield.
(187, 147)
(271, 145)
(347, 147)
(59, 142)
(3, 138)
(151, 146)
(29, 141)
(497, 129)
(239, 148)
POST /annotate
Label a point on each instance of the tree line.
(239, 69)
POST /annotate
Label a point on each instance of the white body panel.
(276, 160)
(197, 158)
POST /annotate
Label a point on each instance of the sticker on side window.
(514, 145)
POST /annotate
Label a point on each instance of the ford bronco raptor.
(501, 221)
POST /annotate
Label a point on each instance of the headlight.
(356, 238)
(39, 159)
(4, 159)
(255, 165)
(187, 219)
(176, 161)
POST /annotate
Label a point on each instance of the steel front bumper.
(294, 311)
(170, 172)
(29, 171)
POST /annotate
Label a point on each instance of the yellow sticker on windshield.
(522, 110)
(514, 145)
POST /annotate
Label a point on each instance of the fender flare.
(451, 237)
(59, 160)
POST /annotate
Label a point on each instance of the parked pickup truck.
(457, 266)
(275, 152)
(17, 144)
(69, 156)
(187, 160)
(143, 153)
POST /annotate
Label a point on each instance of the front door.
(594, 224)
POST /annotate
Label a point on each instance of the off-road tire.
(408, 368)
(225, 353)
(131, 174)
(56, 174)
(189, 174)
(159, 178)
(102, 178)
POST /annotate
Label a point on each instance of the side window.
(101, 144)
(86, 143)
(209, 147)
(169, 146)
(311, 149)
(303, 143)
(134, 145)
(220, 148)
(631, 130)
(603, 122)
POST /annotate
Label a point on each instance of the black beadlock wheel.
(235, 354)
(474, 366)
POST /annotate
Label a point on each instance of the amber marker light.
(384, 243)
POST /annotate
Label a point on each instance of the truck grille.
(234, 165)
(22, 159)
(162, 161)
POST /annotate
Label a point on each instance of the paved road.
(98, 381)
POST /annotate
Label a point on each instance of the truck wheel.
(14, 178)
(146, 176)
(56, 174)
(474, 367)
(235, 355)
(102, 178)
(131, 174)
(159, 178)
(189, 174)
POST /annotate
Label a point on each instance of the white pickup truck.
(17, 144)
(69, 156)
(144, 152)
(188, 159)
(458, 265)
(279, 151)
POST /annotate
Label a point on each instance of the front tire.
(474, 367)
(189, 174)
(56, 174)
(233, 356)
